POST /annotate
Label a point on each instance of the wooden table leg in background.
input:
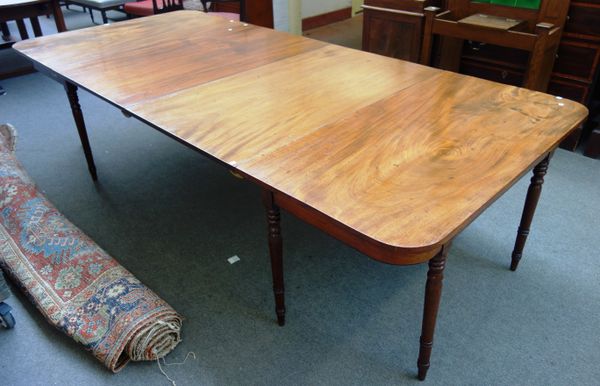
(533, 196)
(276, 252)
(433, 293)
(80, 123)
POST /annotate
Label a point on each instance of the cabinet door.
(577, 60)
(393, 33)
(258, 12)
(583, 19)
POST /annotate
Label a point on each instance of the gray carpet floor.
(173, 218)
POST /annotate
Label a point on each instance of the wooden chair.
(537, 31)
(7, 39)
(152, 7)
(214, 9)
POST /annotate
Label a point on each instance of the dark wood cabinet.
(259, 12)
(575, 69)
(394, 27)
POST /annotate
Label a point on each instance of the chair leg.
(22, 29)
(92, 15)
(104, 18)
(35, 25)
(5, 31)
(243, 16)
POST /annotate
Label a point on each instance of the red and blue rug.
(76, 285)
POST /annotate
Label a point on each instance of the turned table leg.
(533, 196)
(276, 252)
(80, 123)
(433, 292)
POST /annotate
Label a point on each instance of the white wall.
(308, 8)
(317, 7)
(280, 14)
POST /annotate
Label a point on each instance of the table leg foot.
(276, 253)
(433, 293)
(80, 123)
(533, 196)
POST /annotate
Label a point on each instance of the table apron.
(372, 248)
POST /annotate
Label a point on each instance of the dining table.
(392, 158)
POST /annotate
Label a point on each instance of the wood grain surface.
(402, 155)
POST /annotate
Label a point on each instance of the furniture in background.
(18, 11)
(592, 148)
(536, 31)
(99, 5)
(240, 15)
(152, 7)
(6, 318)
(396, 171)
(395, 27)
(575, 72)
(7, 141)
(258, 12)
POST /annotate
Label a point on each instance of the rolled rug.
(75, 284)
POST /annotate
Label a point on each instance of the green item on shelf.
(531, 4)
(508, 3)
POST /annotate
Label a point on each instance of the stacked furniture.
(99, 5)
(575, 70)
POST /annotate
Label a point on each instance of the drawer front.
(490, 72)
(570, 90)
(584, 18)
(503, 56)
(227, 7)
(577, 60)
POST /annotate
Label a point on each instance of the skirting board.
(326, 18)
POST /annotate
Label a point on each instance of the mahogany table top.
(404, 155)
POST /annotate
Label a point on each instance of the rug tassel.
(193, 354)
